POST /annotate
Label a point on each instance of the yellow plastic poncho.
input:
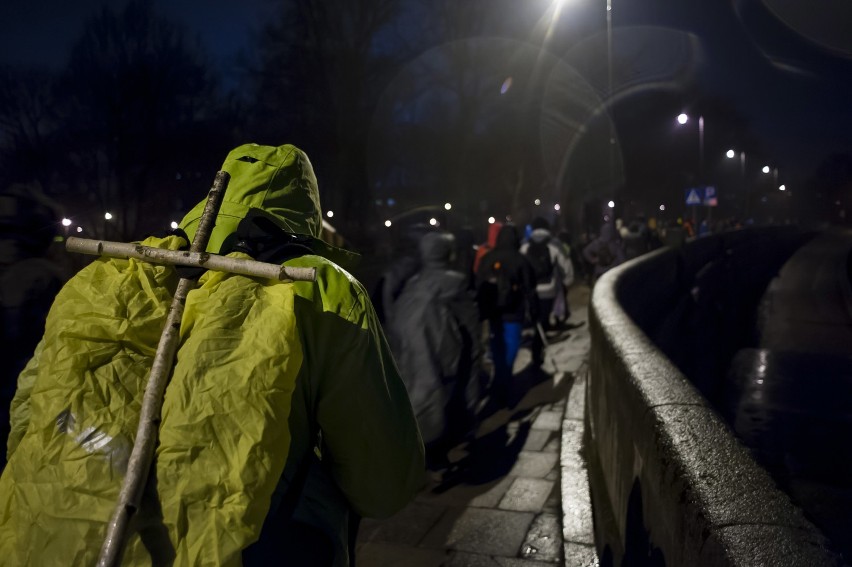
(262, 365)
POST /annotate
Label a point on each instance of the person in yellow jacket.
(284, 418)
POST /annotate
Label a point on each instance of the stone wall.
(671, 485)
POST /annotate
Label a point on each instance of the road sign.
(702, 196)
(694, 196)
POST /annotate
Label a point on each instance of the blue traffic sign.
(702, 196)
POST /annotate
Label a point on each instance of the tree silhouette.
(136, 93)
(27, 122)
(322, 64)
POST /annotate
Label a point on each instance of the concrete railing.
(671, 485)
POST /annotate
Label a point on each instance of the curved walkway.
(521, 495)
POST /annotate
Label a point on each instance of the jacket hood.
(508, 238)
(540, 235)
(493, 231)
(436, 248)
(278, 181)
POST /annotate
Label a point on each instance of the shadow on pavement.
(503, 431)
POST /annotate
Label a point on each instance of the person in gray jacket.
(434, 335)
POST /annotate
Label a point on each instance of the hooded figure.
(435, 337)
(606, 251)
(506, 296)
(561, 272)
(284, 413)
(490, 243)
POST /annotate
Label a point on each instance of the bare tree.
(134, 86)
(323, 63)
(27, 121)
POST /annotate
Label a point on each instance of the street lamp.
(682, 119)
(731, 154)
(448, 206)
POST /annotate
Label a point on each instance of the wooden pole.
(146, 433)
(184, 258)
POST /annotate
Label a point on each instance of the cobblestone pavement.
(520, 496)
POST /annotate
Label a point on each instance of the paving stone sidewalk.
(521, 495)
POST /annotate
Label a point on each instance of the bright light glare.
(107, 215)
(556, 207)
(79, 229)
(611, 204)
(329, 214)
(782, 187)
(730, 154)
(682, 118)
(388, 223)
(433, 221)
(448, 206)
(537, 201)
(491, 220)
(66, 222)
(662, 207)
(507, 84)
(174, 224)
(765, 169)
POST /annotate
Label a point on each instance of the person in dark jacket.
(406, 263)
(434, 336)
(606, 251)
(507, 297)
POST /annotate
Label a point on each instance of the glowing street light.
(730, 154)
(611, 204)
(174, 224)
(108, 215)
(491, 220)
(66, 222)
(448, 206)
(329, 214)
(433, 221)
(388, 223)
(79, 229)
(662, 207)
(556, 207)
(782, 187)
(537, 202)
(683, 119)
(765, 169)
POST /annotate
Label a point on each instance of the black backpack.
(500, 292)
(538, 254)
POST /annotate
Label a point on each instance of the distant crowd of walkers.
(455, 320)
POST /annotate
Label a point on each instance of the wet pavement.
(518, 495)
(790, 399)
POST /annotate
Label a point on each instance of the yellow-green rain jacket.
(263, 369)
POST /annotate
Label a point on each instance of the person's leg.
(545, 307)
(502, 373)
(512, 337)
